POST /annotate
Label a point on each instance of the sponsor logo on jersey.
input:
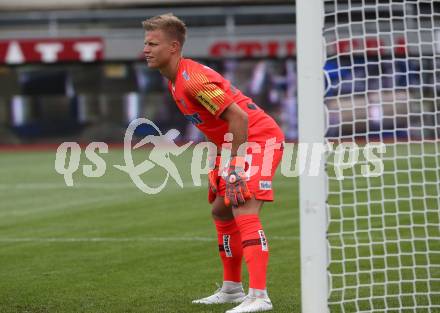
(205, 99)
(194, 118)
(227, 245)
(185, 75)
(265, 185)
(263, 240)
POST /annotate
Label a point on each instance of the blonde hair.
(170, 24)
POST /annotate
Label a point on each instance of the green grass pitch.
(104, 246)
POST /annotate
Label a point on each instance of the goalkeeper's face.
(159, 48)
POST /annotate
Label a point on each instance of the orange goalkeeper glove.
(237, 191)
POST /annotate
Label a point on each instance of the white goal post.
(369, 76)
(311, 129)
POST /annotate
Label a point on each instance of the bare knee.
(220, 211)
(218, 215)
(252, 206)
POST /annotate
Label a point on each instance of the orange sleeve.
(208, 93)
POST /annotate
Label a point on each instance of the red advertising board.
(51, 50)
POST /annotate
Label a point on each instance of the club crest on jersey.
(265, 185)
(227, 245)
(185, 75)
(263, 240)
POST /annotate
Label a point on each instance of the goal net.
(381, 77)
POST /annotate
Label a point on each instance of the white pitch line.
(37, 186)
(130, 239)
(74, 203)
(103, 185)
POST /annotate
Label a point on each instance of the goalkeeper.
(216, 107)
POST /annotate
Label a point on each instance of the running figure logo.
(163, 146)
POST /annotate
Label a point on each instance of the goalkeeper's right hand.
(213, 185)
(213, 180)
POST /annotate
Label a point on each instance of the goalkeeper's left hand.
(212, 184)
(237, 191)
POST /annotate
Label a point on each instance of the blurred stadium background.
(74, 70)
